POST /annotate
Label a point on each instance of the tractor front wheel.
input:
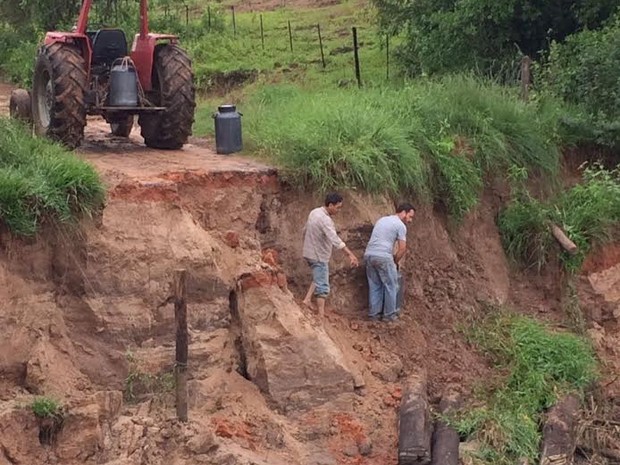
(173, 88)
(122, 127)
(20, 106)
(58, 91)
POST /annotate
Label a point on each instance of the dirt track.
(118, 157)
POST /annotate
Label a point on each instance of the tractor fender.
(143, 54)
(80, 40)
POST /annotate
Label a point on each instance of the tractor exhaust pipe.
(144, 19)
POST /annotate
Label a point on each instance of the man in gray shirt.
(320, 237)
(388, 234)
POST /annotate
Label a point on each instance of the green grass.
(223, 50)
(538, 366)
(589, 213)
(40, 182)
(431, 138)
(45, 407)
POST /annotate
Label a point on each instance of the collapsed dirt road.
(85, 321)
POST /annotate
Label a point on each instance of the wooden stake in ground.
(559, 436)
(180, 318)
(415, 426)
(526, 77)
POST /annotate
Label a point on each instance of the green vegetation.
(589, 213)
(585, 70)
(45, 407)
(484, 35)
(139, 384)
(42, 183)
(429, 137)
(538, 366)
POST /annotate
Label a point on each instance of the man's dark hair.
(405, 207)
(333, 199)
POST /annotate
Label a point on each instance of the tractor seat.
(108, 45)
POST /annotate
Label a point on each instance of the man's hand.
(354, 262)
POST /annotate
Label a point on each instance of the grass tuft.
(45, 407)
(40, 181)
(539, 365)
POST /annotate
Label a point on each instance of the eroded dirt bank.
(85, 321)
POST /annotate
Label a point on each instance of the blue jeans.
(382, 286)
(320, 277)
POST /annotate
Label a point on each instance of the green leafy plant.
(140, 384)
(538, 365)
(589, 213)
(585, 71)
(46, 407)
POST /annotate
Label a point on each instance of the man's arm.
(330, 232)
(401, 249)
(401, 244)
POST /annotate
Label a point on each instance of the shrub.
(484, 35)
(585, 71)
(588, 213)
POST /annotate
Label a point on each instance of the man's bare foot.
(308, 304)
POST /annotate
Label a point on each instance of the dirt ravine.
(85, 321)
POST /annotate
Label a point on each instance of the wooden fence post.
(290, 35)
(318, 26)
(356, 56)
(387, 57)
(526, 77)
(180, 318)
(234, 21)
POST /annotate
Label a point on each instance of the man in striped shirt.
(320, 237)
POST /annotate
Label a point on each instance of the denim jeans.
(382, 286)
(320, 277)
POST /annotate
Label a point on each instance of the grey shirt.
(320, 236)
(386, 232)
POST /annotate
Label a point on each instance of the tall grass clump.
(333, 138)
(437, 137)
(539, 365)
(42, 182)
(589, 213)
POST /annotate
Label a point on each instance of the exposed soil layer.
(85, 319)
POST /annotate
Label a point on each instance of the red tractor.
(84, 73)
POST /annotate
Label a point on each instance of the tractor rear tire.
(173, 88)
(20, 106)
(122, 128)
(58, 94)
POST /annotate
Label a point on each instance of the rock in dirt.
(289, 357)
(559, 432)
(203, 443)
(387, 368)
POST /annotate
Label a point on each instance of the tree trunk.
(415, 427)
